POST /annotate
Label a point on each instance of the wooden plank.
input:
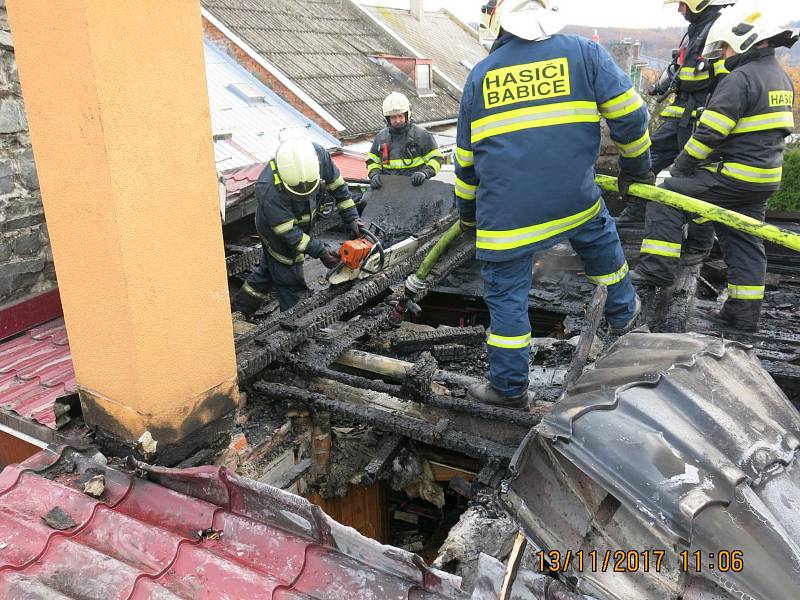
(442, 472)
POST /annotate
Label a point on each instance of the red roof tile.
(352, 166)
(240, 179)
(144, 539)
(35, 371)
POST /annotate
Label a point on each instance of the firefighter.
(692, 78)
(402, 147)
(527, 142)
(288, 193)
(734, 159)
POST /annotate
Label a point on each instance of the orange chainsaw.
(360, 257)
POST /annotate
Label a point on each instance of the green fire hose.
(416, 283)
(708, 211)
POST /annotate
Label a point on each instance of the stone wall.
(26, 263)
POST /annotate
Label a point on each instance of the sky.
(598, 13)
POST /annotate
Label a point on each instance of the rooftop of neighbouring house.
(328, 48)
(451, 43)
(248, 119)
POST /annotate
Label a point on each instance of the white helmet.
(298, 166)
(526, 19)
(698, 6)
(743, 26)
(396, 104)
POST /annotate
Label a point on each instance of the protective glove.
(418, 178)
(329, 258)
(356, 227)
(681, 168)
(625, 180)
(375, 181)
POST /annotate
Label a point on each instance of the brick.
(28, 243)
(5, 249)
(12, 116)
(6, 177)
(22, 222)
(22, 267)
(26, 167)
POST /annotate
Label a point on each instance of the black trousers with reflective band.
(287, 281)
(743, 253)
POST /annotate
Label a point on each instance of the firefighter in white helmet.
(691, 78)
(402, 147)
(733, 159)
(528, 139)
(289, 193)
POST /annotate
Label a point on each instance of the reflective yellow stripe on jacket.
(465, 158)
(751, 174)
(636, 147)
(558, 113)
(621, 105)
(689, 74)
(765, 122)
(697, 149)
(464, 190)
(430, 160)
(516, 238)
(717, 121)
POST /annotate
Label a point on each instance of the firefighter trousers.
(743, 253)
(506, 287)
(668, 141)
(287, 281)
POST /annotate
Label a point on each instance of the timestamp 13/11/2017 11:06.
(630, 561)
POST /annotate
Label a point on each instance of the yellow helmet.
(698, 6)
(298, 166)
(526, 19)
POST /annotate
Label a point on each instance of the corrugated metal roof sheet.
(248, 118)
(201, 533)
(35, 371)
(323, 46)
(438, 36)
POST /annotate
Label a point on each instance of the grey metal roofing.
(324, 47)
(697, 448)
(439, 36)
(255, 125)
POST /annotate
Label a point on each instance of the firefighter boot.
(486, 394)
(632, 323)
(740, 315)
(247, 301)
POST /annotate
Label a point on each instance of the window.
(423, 78)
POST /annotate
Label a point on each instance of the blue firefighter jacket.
(529, 137)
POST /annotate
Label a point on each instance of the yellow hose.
(734, 220)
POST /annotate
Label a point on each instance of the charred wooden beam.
(416, 429)
(593, 317)
(449, 403)
(390, 446)
(406, 342)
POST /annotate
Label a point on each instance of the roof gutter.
(279, 75)
(391, 33)
(438, 123)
